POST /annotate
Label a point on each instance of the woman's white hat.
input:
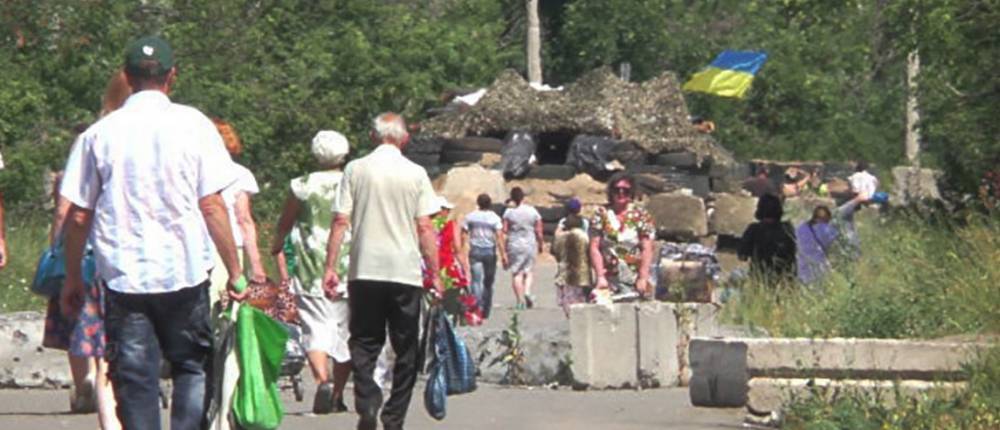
(330, 147)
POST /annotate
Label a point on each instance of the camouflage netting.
(653, 114)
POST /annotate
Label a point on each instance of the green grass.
(917, 278)
(27, 237)
(975, 408)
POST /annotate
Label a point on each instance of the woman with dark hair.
(482, 234)
(815, 238)
(621, 241)
(522, 226)
(769, 243)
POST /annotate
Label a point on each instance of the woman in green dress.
(308, 209)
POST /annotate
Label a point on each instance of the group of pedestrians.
(778, 251)
(151, 190)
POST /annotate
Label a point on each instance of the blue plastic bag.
(451, 370)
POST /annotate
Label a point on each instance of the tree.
(534, 43)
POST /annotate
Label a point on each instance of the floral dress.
(324, 322)
(620, 236)
(458, 302)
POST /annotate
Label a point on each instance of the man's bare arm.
(339, 227)
(77, 228)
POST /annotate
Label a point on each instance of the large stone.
(678, 216)
(603, 342)
(23, 361)
(461, 185)
(915, 185)
(546, 353)
(658, 345)
(800, 209)
(731, 214)
(768, 396)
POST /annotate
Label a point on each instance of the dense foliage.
(834, 87)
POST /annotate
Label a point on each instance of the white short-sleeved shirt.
(142, 169)
(1, 162)
(863, 183)
(483, 226)
(384, 193)
(245, 183)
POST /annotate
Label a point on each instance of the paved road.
(491, 407)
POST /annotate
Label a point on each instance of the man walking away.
(386, 201)
(148, 176)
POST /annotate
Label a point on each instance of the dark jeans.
(483, 262)
(145, 328)
(373, 305)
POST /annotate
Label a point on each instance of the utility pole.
(912, 109)
(534, 44)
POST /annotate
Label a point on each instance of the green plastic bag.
(260, 346)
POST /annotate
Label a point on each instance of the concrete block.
(24, 363)
(731, 214)
(915, 185)
(603, 344)
(858, 358)
(658, 345)
(766, 396)
(719, 373)
(694, 319)
(678, 216)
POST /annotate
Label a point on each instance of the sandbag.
(515, 157)
(591, 154)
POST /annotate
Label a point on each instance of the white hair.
(330, 148)
(389, 127)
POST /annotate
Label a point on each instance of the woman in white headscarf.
(324, 319)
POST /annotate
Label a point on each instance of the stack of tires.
(469, 149)
(550, 219)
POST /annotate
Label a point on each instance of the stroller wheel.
(297, 388)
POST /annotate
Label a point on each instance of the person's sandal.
(83, 399)
(323, 402)
(339, 406)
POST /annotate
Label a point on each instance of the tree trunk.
(912, 110)
(534, 43)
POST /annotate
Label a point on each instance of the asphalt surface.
(491, 407)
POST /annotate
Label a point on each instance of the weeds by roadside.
(916, 277)
(975, 408)
(27, 237)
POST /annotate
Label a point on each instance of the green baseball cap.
(147, 49)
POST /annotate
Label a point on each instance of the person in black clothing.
(769, 243)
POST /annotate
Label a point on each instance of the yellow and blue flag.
(729, 75)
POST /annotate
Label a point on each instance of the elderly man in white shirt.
(145, 182)
(386, 201)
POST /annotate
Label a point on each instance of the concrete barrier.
(24, 363)
(722, 368)
(767, 396)
(603, 342)
(636, 344)
(658, 342)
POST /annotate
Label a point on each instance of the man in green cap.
(145, 181)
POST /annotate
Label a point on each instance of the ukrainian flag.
(729, 75)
